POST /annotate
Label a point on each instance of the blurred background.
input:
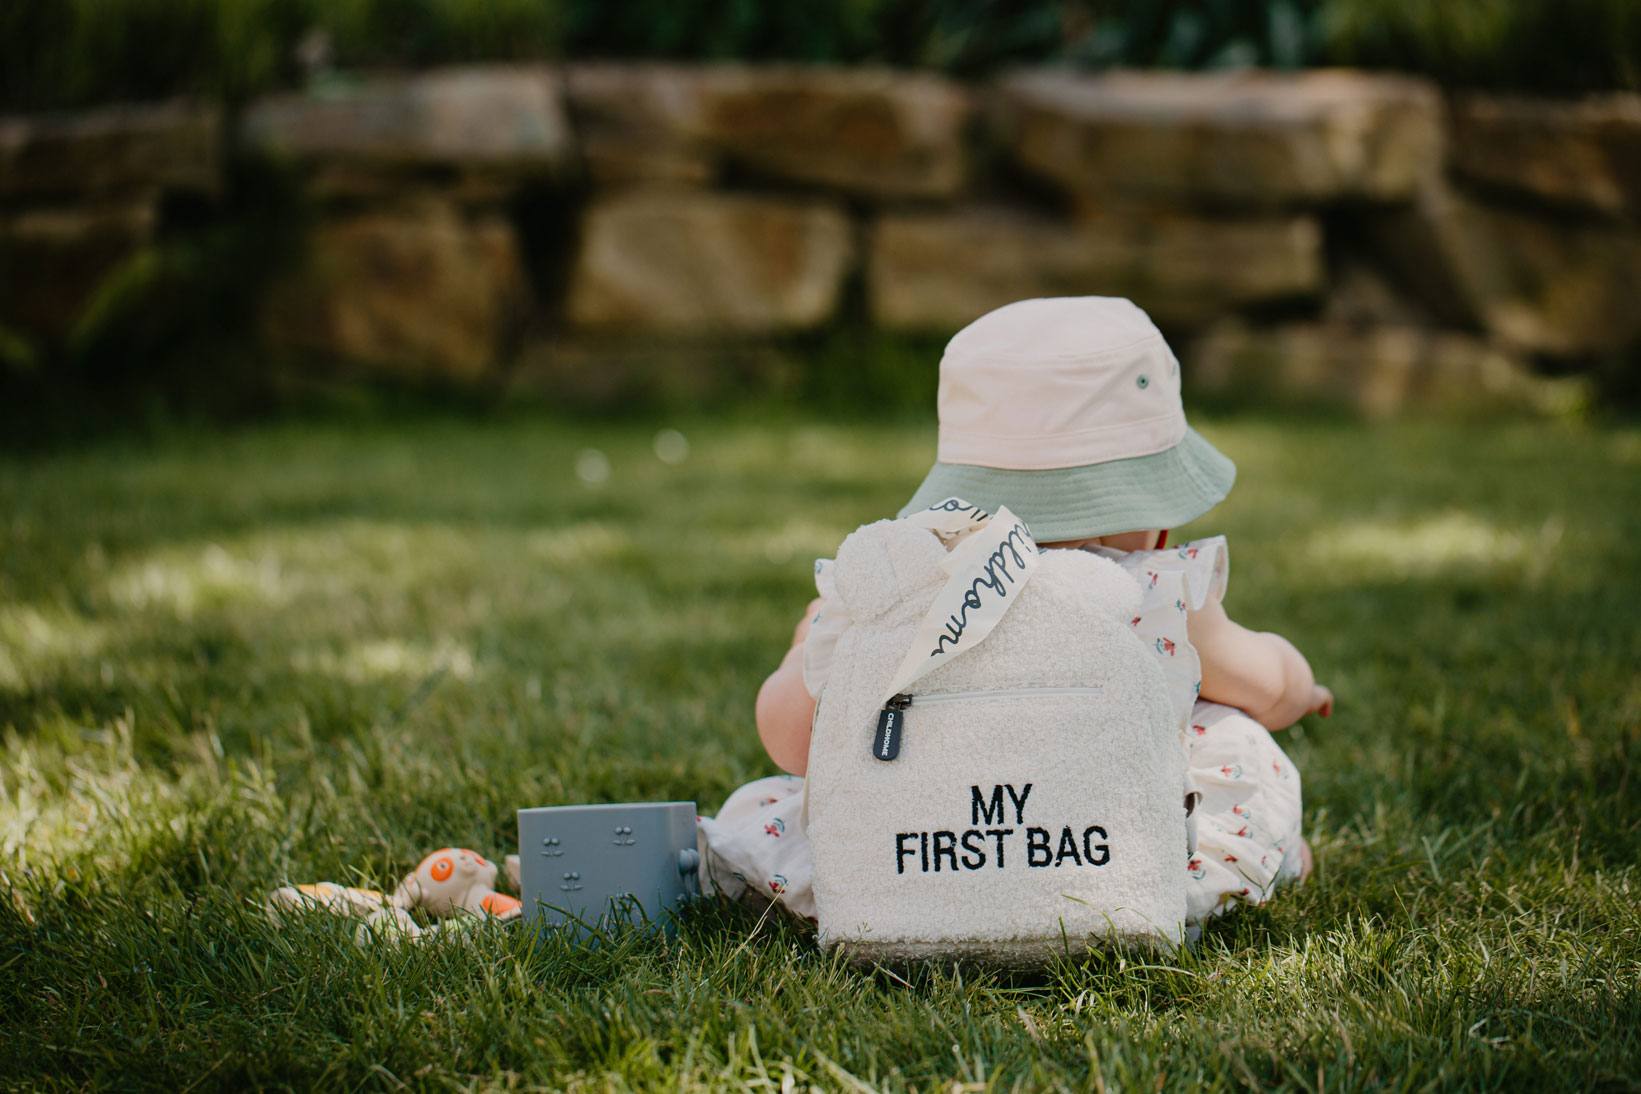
(219, 208)
(413, 410)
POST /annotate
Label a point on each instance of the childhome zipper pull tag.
(987, 569)
(890, 720)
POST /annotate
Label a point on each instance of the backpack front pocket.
(891, 720)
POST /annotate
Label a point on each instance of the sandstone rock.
(419, 292)
(1420, 245)
(499, 123)
(119, 150)
(640, 123)
(867, 132)
(939, 271)
(1583, 154)
(699, 263)
(870, 132)
(1234, 139)
(1545, 286)
(54, 262)
(1359, 296)
(1377, 372)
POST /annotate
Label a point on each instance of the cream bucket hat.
(1067, 410)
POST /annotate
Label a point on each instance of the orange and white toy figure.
(452, 884)
(331, 897)
(454, 879)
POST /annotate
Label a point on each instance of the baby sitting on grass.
(1067, 411)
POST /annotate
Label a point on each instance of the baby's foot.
(1306, 861)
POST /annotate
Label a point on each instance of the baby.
(1068, 412)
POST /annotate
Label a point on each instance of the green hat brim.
(1163, 490)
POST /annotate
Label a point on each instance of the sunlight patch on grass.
(390, 658)
(820, 453)
(588, 540)
(284, 565)
(827, 453)
(1626, 447)
(797, 541)
(1446, 543)
(185, 581)
(51, 808)
(34, 644)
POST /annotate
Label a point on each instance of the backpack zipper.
(891, 720)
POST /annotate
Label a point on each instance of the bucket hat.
(1067, 410)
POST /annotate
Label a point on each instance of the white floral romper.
(1248, 821)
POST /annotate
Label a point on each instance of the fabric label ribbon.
(991, 558)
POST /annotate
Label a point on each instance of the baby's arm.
(785, 708)
(1260, 673)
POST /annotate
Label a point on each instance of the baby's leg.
(1249, 835)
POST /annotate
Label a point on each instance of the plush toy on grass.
(453, 884)
(454, 879)
(329, 896)
(375, 908)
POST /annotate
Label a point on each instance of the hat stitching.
(958, 431)
(1090, 355)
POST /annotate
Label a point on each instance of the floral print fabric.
(1248, 819)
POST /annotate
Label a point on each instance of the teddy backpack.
(995, 774)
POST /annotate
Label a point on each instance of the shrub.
(1554, 46)
(65, 53)
(73, 52)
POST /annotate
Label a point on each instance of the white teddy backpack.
(995, 774)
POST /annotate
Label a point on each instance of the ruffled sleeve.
(1205, 565)
(1174, 582)
(825, 629)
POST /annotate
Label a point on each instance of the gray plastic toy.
(579, 864)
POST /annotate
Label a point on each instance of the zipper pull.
(890, 721)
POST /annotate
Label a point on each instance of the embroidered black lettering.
(1037, 840)
(980, 812)
(1104, 851)
(1019, 803)
(996, 573)
(945, 845)
(901, 850)
(956, 505)
(1068, 846)
(997, 835)
(969, 849)
(924, 839)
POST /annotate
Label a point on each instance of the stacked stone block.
(83, 200)
(413, 263)
(1323, 234)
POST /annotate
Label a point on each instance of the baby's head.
(1067, 410)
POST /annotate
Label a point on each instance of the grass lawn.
(316, 652)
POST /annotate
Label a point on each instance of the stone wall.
(1329, 234)
(81, 199)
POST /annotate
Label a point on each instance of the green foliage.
(725, 29)
(71, 52)
(1558, 46)
(308, 652)
(165, 331)
(1200, 34)
(424, 32)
